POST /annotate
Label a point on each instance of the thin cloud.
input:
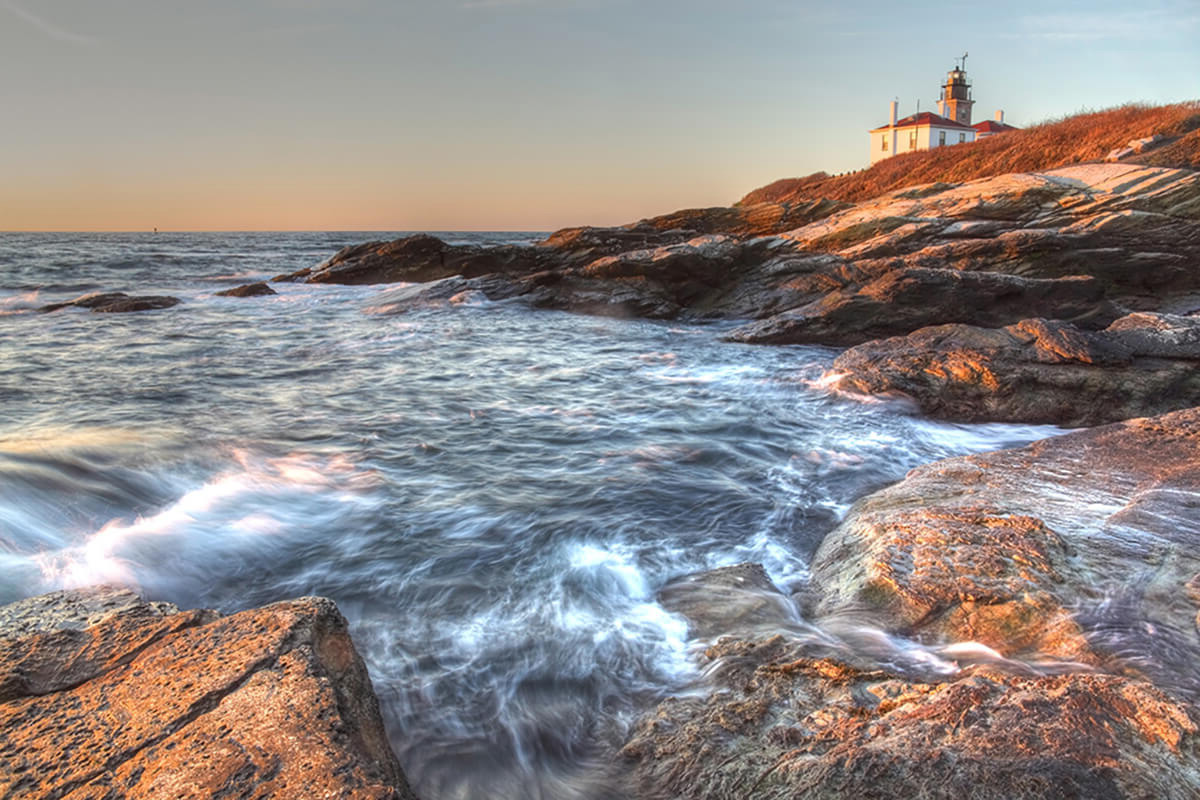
(1127, 26)
(46, 27)
(498, 3)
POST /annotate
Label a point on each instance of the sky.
(393, 115)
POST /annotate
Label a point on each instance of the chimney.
(895, 104)
(1000, 116)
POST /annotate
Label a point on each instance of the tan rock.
(106, 696)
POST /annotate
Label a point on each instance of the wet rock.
(447, 291)
(1079, 547)
(780, 724)
(114, 302)
(1036, 371)
(907, 299)
(416, 259)
(103, 695)
(248, 290)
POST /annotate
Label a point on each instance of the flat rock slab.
(103, 695)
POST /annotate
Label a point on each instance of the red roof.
(923, 119)
(991, 126)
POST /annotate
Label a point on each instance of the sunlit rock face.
(1018, 624)
(104, 695)
(1035, 371)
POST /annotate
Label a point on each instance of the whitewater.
(492, 495)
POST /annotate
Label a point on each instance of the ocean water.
(492, 495)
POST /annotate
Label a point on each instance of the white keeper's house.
(926, 130)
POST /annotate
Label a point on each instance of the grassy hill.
(1075, 139)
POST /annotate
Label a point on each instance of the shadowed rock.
(114, 302)
(1035, 371)
(102, 695)
(907, 299)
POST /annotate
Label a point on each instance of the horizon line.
(288, 230)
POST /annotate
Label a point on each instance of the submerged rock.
(104, 695)
(738, 598)
(1036, 371)
(114, 302)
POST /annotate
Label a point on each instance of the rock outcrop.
(1020, 624)
(779, 723)
(114, 302)
(1036, 371)
(104, 695)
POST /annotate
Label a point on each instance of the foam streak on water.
(493, 496)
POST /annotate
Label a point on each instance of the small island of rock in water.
(879, 485)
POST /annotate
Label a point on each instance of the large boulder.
(1036, 371)
(1083, 547)
(104, 695)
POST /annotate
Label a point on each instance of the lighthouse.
(926, 130)
(956, 102)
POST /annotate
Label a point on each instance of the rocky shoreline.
(1021, 578)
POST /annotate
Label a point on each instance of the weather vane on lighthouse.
(963, 66)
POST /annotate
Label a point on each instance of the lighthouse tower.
(956, 99)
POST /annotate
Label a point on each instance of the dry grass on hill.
(1080, 138)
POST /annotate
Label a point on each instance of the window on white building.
(883, 143)
(912, 140)
(941, 138)
(962, 137)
